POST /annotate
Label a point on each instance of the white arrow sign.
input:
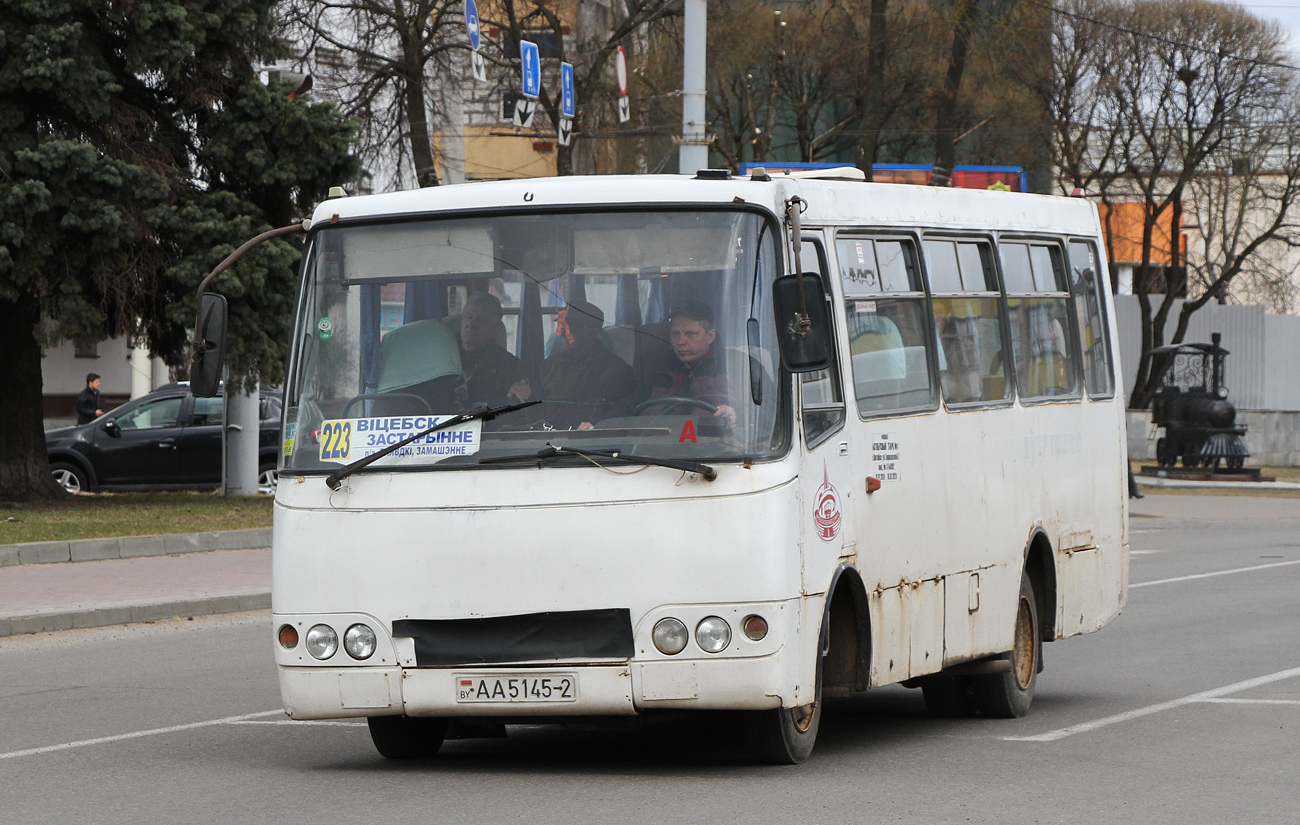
(524, 111)
(478, 66)
(565, 131)
(624, 110)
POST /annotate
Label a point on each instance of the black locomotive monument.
(1200, 423)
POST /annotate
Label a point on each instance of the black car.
(167, 439)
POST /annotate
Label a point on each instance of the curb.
(131, 547)
(1152, 481)
(130, 614)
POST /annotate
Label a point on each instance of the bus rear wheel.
(1008, 695)
(406, 737)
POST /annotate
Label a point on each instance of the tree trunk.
(417, 118)
(945, 124)
(873, 106)
(24, 469)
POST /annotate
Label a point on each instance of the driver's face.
(691, 339)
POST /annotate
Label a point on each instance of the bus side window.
(968, 321)
(1094, 342)
(1037, 300)
(822, 397)
(886, 324)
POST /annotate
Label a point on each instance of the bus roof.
(830, 202)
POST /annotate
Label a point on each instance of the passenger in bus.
(591, 380)
(492, 375)
(697, 371)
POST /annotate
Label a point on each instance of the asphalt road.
(1184, 710)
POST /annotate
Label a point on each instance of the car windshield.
(647, 332)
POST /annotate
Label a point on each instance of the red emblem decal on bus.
(826, 509)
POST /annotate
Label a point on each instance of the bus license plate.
(517, 687)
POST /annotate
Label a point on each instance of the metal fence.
(1263, 369)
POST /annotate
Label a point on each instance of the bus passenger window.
(886, 327)
(1039, 321)
(968, 321)
(822, 400)
(1094, 341)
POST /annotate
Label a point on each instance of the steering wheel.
(378, 395)
(671, 401)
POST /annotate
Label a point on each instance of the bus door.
(896, 450)
(824, 476)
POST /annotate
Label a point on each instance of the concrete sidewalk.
(35, 598)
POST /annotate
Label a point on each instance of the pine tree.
(137, 149)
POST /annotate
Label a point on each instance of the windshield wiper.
(551, 451)
(334, 479)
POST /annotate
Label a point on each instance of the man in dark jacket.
(88, 406)
(588, 379)
(492, 375)
(699, 372)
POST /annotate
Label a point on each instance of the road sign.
(565, 131)
(524, 111)
(478, 66)
(530, 67)
(624, 110)
(620, 68)
(471, 23)
(567, 105)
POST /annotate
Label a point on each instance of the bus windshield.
(643, 332)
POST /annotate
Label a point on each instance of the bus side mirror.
(802, 352)
(209, 347)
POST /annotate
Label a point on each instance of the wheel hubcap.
(1022, 656)
(802, 717)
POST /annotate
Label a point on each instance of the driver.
(698, 372)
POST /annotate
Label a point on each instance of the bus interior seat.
(880, 384)
(421, 359)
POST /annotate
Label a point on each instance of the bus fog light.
(670, 636)
(322, 641)
(713, 634)
(288, 637)
(359, 641)
(755, 628)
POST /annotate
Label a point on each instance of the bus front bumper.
(598, 690)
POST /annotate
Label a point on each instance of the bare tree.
(380, 59)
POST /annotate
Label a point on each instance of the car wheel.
(267, 478)
(404, 737)
(70, 477)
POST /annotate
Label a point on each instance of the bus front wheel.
(1008, 695)
(785, 736)
(406, 737)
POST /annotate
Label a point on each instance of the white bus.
(714, 506)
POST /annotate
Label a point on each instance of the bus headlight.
(713, 634)
(669, 636)
(322, 641)
(359, 641)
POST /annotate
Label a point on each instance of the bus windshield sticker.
(350, 439)
(884, 454)
(864, 307)
(826, 508)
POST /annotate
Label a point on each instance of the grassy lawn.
(101, 515)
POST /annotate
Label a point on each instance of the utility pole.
(693, 151)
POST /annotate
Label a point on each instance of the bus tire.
(1008, 695)
(406, 737)
(785, 736)
(950, 697)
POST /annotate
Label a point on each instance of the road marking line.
(136, 734)
(1251, 701)
(1084, 727)
(1216, 573)
(298, 722)
(1143, 552)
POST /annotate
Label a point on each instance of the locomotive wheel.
(1163, 454)
(1236, 462)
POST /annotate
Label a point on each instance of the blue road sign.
(530, 66)
(471, 23)
(567, 104)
